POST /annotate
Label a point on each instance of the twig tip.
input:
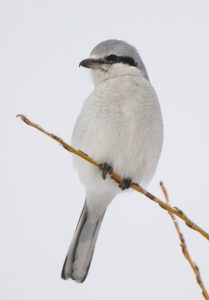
(21, 116)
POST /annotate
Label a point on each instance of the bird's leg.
(106, 169)
(125, 183)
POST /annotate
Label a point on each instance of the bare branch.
(184, 248)
(179, 213)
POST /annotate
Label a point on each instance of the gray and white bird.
(120, 126)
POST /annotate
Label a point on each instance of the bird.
(120, 126)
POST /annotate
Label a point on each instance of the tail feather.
(81, 250)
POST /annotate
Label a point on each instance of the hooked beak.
(91, 63)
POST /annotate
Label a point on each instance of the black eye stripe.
(120, 59)
(127, 60)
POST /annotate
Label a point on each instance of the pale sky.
(137, 255)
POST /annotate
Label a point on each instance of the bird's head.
(113, 58)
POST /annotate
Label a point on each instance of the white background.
(137, 254)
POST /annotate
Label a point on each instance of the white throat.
(110, 71)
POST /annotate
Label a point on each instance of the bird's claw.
(125, 183)
(106, 169)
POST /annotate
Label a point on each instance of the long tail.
(81, 250)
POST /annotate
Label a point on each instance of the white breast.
(120, 124)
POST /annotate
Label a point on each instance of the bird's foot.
(106, 169)
(125, 183)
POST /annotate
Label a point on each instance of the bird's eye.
(111, 58)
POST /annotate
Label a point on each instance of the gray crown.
(119, 48)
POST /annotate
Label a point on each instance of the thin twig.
(179, 213)
(184, 248)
